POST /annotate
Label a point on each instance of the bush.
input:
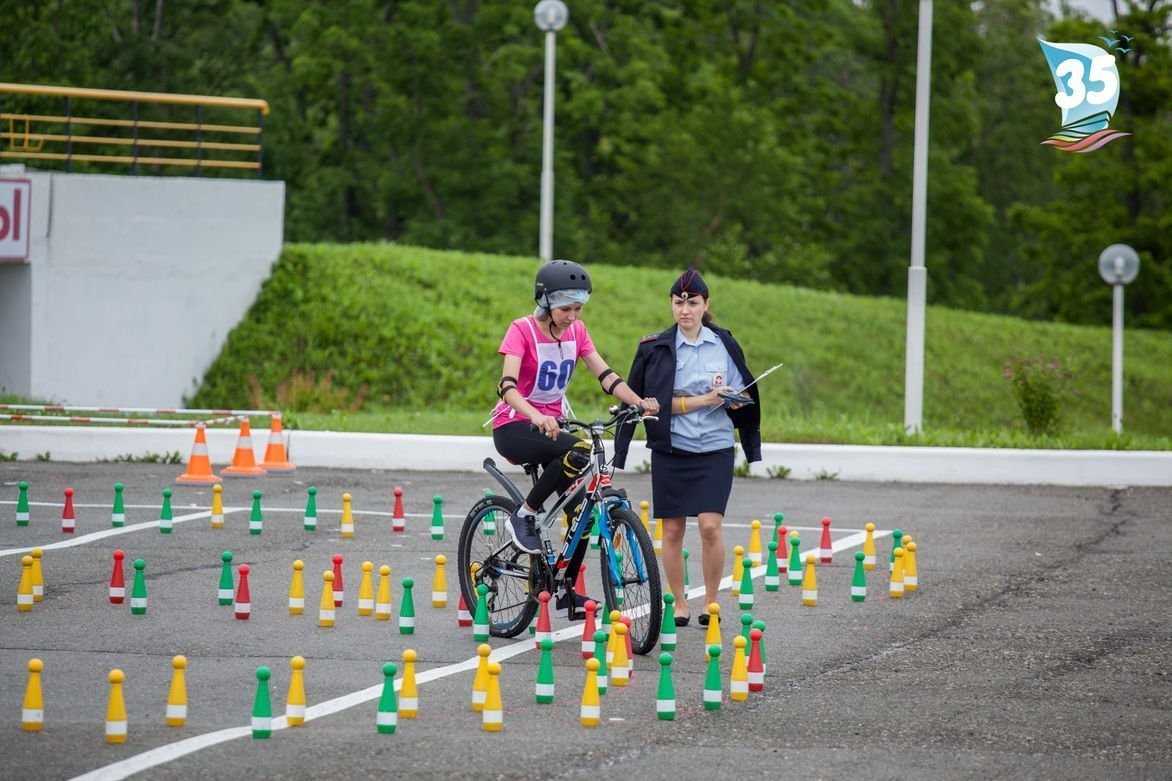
(1038, 382)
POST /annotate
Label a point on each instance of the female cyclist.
(540, 353)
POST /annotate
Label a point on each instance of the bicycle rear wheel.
(636, 591)
(506, 570)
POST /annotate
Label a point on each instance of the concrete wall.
(132, 284)
(16, 297)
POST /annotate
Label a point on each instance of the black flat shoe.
(575, 611)
(702, 619)
(682, 620)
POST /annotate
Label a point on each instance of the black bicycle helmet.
(560, 275)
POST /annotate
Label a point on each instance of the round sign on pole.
(1118, 264)
(551, 15)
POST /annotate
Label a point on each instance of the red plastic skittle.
(463, 615)
(118, 580)
(398, 519)
(544, 630)
(243, 603)
(580, 581)
(782, 551)
(588, 629)
(68, 521)
(826, 547)
(338, 580)
(755, 668)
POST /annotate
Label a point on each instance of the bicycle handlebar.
(620, 415)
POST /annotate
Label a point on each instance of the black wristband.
(613, 385)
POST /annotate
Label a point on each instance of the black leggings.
(522, 445)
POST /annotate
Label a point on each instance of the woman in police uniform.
(687, 368)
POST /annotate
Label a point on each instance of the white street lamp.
(551, 16)
(1118, 265)
(917, 273)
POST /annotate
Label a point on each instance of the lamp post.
(917, 273)
(551, 16)
(1118, 265)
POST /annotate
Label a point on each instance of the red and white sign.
(15, 203)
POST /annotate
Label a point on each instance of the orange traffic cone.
(199, 466)
(244, 460)
(276, 459)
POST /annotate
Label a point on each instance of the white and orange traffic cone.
(276, 456)
(244, 459)
(199, 465)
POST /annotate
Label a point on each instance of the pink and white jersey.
(546, 365)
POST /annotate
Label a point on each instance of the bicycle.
(630, 572)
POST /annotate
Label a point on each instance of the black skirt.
(686, 484)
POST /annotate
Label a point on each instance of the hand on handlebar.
(649, 405)
(547, 425)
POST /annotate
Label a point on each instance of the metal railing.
(162, 130)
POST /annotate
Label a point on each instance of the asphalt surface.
(1036, 646)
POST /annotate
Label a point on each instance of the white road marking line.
(113, 531)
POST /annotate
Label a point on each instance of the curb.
(407, 452)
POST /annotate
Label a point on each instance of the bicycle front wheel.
(630, 578)
(506, 570)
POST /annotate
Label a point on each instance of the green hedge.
(378, 327)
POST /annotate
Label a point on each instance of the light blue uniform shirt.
(701, 366)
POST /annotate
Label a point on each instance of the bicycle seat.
(530, 467)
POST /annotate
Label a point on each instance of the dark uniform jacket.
(653, 373)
